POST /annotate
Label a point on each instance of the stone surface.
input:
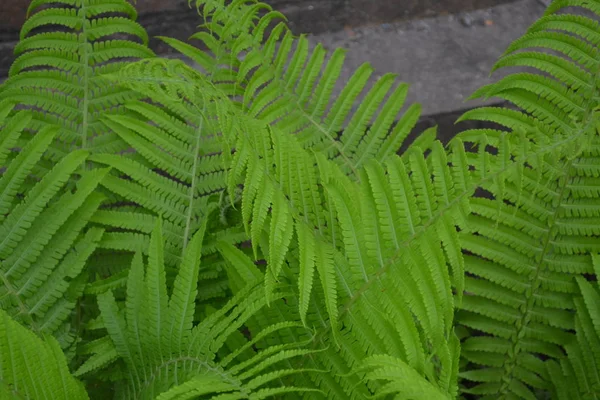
(174, 18)
(317, 16)
(444, 59)
(305, 15)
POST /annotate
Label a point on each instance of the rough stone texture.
(317, 16)
(445, 59)
(305, 15)
(12, 12)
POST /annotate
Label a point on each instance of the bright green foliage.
(163, 354)
(44, 241)
(47, 377)
(344, 252)
(226, 229)
(58, 72)
(291, 90)
(526, 245)
(577, 377)
(186, 136)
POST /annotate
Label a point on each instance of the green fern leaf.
(281, 232)
(58, 74)
(21, 377)
(577, 376)
(184, 292)
(175, 359)
(402, 379)
(531, 240)
(45, 244)
(306, 247)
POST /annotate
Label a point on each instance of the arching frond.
(187, 124)
(350, 242)
(234, 230)
(180, 165)
(533, 233)
(44, 241)
(281, 81)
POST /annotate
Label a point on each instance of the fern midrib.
(511, 359)
(24, 309)
(86, 77)
(192, 188)
(326, 133)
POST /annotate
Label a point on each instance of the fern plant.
(527, 244)
(225, 229)
(576, 377)
(45, 240)
(65, 48)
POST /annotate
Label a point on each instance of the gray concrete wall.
(305, 15)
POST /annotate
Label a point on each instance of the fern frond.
(44, 244)
(577, 376)
(165, 354)
(375, 315)
(403, 381)
(31, 367)
(527, 241)
(398, 221)
(58, 75)
(291, 90)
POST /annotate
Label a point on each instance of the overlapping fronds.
(351, 239)
(32, 368)
(44, 241)
(577, 376)
(375, 262)
(300, 212)
(179, 165)
(65, 47)
(527, 241)
(280, 80)
(186, 125)
(338, 265)
(162, 353)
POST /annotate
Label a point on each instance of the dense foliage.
(225, 227)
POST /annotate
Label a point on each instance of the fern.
(291, 90)
(526, 244)
(576, 377)
(184, 136)
(397, 221)
(180, 171)
(47, 377)
(44, 241)
(229, 230)
(57, 73)
(163, 354)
